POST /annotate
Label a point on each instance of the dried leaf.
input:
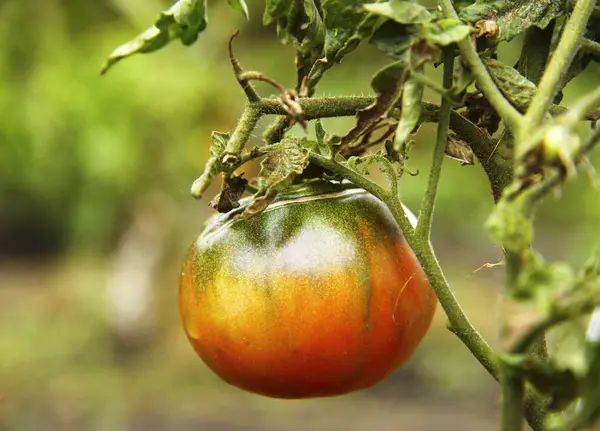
(231, 191)
(386, 83)
(286, 160)
(459, 150)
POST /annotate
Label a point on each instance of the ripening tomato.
(319, 295)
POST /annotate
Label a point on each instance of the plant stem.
(325, 107)
(513, 391)
(428, 202)
(431, 83)
(243, 130)
(512, 384)
(590, 46)
(559, 63)
(351, 175)
(484, 81)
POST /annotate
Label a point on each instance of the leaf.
(459, 150)
(184, 20)
(361, 164)
(569, 350)
(412, 100)
(543, 283)
(445, 32)
(282, 164)
(213, 165)
(508, 226)
(515, 87)
(394, 39)
(231, 191)
(404, 12)
(386, 83)
(299, 23)
(346, 24)
(513, 16)
(240, 6)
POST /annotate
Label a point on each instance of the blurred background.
(96, 217)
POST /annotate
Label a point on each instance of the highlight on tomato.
(318, 295)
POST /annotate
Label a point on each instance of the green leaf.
(515, 87)
(184, 20)
(445, 32)
(412, 99)
(394, 39)
(299, 23)
(404, 12)
(213, 165)
(286, 160)
(513, 16)
(362, 164)
(508, 226)
(569, 352)
(543, 283)
(346, 24)
(240, 6)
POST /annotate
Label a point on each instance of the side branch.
(428, 204)
(484, 81)
(314, 108)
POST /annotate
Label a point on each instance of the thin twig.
(251, 93)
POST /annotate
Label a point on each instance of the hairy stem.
(484, 81)
(512, 384)
(559, 63)
(590, 46)
(513, 391)
(244, 129)
(428, 203)
(314, 108)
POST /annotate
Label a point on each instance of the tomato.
(319, 295)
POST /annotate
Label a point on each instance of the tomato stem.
(428, 203)
(484, 81)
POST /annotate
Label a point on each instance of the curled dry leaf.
(488, 29)
(459, 150)
(231, 191)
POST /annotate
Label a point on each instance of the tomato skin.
(319, 295)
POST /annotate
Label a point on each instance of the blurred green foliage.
(79, 154)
